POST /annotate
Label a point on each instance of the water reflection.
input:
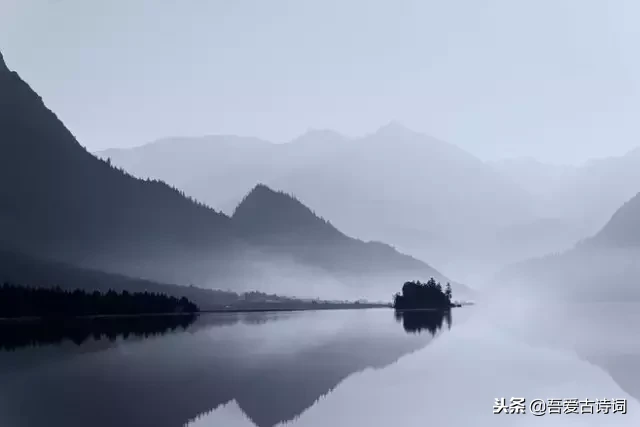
(600, 333)
(416, 321)
(273, 365)
(455, 381)
(33, 334)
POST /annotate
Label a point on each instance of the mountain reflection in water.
(455, 381)
(274, 365)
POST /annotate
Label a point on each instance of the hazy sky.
(554, 79)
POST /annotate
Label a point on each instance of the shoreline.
(319, 307)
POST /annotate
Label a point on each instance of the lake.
(324, 368)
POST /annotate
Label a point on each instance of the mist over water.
(343, 368)
(517, 350)
(287, 277)
(274, 365)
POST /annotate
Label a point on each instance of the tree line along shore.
(28, 302)
(18, 302)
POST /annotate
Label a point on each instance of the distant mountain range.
(603, 267)
(59, 203)
(596, 205)
(393, 172)
(425, 196)
(585, 195)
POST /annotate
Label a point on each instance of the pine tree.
(447, 291)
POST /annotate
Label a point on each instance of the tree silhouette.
(422, 295)
(20, 301)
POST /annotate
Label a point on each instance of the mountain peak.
(263, 199)
(264, 210)
(318, 135)
(394, 127)
(261, 189)
(398, 133)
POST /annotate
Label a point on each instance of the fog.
(285, 277)
(282, 275)
(582, 274)
(426, 197)
(325, 150)
(509, 346)
(444, 130)
(288, 278)
(584, 196)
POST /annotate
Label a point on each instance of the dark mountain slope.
(58, 200)
(20, 269)
(221, 164)
(278, 223)
(425, 196)
(265, 215)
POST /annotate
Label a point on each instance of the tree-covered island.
(417, 295)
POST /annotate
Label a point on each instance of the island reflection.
(417, 321)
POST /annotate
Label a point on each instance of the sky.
(558, 80)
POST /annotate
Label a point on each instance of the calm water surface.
(327, 368)
(274, 365)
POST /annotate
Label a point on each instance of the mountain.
(425, 196)
(220, 169)
(532, 175)
(311, 146)
(578, 202)
(603, 185)
(18, 268)
(585, 195)
(400, 177)
(540, 236)
(623, 229)
(277, 223)
(60, 203)
(603, 267)
(58, 200)
(223, 167)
